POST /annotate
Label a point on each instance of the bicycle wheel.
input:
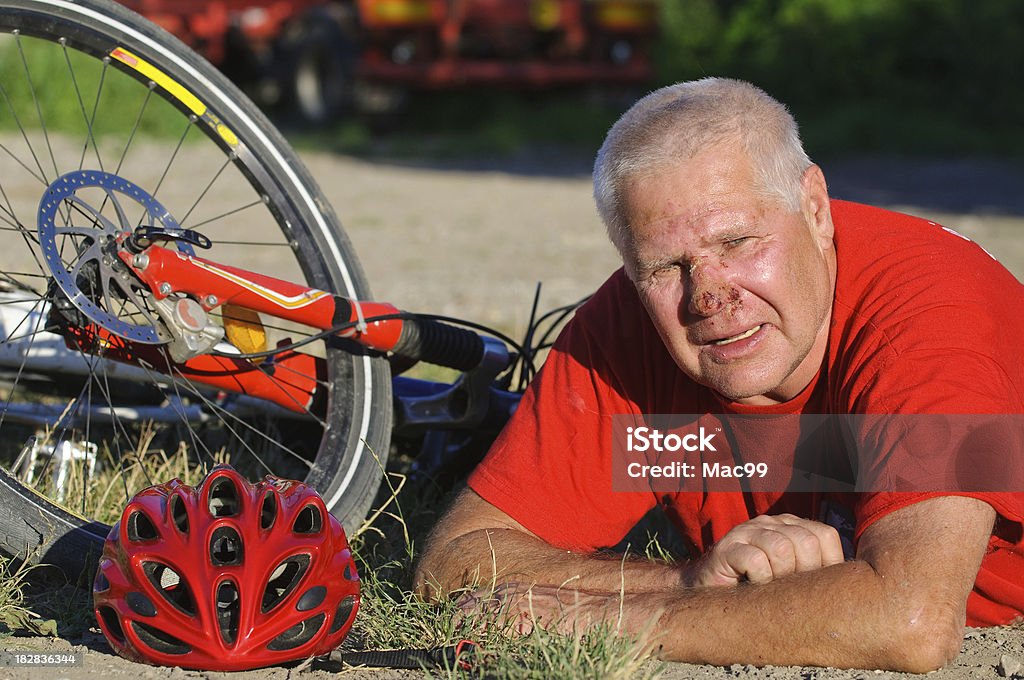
(88, 90)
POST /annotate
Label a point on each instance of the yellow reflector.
(244, 329)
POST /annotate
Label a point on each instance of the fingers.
(769, 547)
(828, 543)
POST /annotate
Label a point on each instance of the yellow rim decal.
(227, 135)
(191, 102)
(160, 78)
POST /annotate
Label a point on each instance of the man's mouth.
(737, 338)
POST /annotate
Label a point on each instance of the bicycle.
(116, 337)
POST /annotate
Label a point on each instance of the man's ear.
(814, 203)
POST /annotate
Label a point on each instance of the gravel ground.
(473, 240)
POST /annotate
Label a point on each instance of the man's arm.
(899, 605)
(476, 544)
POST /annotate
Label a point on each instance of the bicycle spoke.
(30, 335)
(9, 275)
(254, 244)
(29, 238)
(35, 100)
(206, 190)
(198, 444)
(247, 427)
(24, 358)
(234, 211)
(90, 137)
(20, 301)
(19, 161)
(135, 127)
(24, 135)
(91, 120)
(174, 155)
(296, 402)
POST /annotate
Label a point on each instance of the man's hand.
(766, 548)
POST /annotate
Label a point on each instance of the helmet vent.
(179, 515)
(308, 521)
(311, 599)
(225, 547)
(228, 607)
(268, 510)
(140, 604)
(159, 640)
(284, 580)
(223, 498)
(141, 528)
(343, 613)
(112, 623)
(171, 586)
(101, 584)
(297, 635)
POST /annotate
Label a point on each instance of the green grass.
(46, 85)
(392, 616)
(12, 594)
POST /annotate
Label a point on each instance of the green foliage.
(460, 124)
(902, 75)
(15, 614)
(43, 84)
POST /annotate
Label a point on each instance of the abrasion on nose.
(710, 293)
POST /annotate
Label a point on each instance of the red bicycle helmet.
(226, 576)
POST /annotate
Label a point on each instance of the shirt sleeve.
(953, 431)
(551, 468)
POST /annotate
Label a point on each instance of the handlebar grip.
(441, 344)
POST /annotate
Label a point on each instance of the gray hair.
(678, 121)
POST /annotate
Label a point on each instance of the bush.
(950, 65)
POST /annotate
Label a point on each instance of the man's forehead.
(707, 221)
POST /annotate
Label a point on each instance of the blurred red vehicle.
(327, 56)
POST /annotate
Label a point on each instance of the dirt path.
(473, 242)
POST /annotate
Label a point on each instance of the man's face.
(738, 285)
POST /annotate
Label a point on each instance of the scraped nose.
(710, 292)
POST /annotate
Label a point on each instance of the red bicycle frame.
(291, 380)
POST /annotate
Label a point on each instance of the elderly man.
(745, 290)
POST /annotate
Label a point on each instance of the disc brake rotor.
(83, 221)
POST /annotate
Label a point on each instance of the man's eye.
(733, 242)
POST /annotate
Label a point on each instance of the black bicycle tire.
(350, 460)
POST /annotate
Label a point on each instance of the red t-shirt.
(923, 321)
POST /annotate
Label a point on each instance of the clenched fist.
(766, 548)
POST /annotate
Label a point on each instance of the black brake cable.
(560, 313)
(403, 316)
